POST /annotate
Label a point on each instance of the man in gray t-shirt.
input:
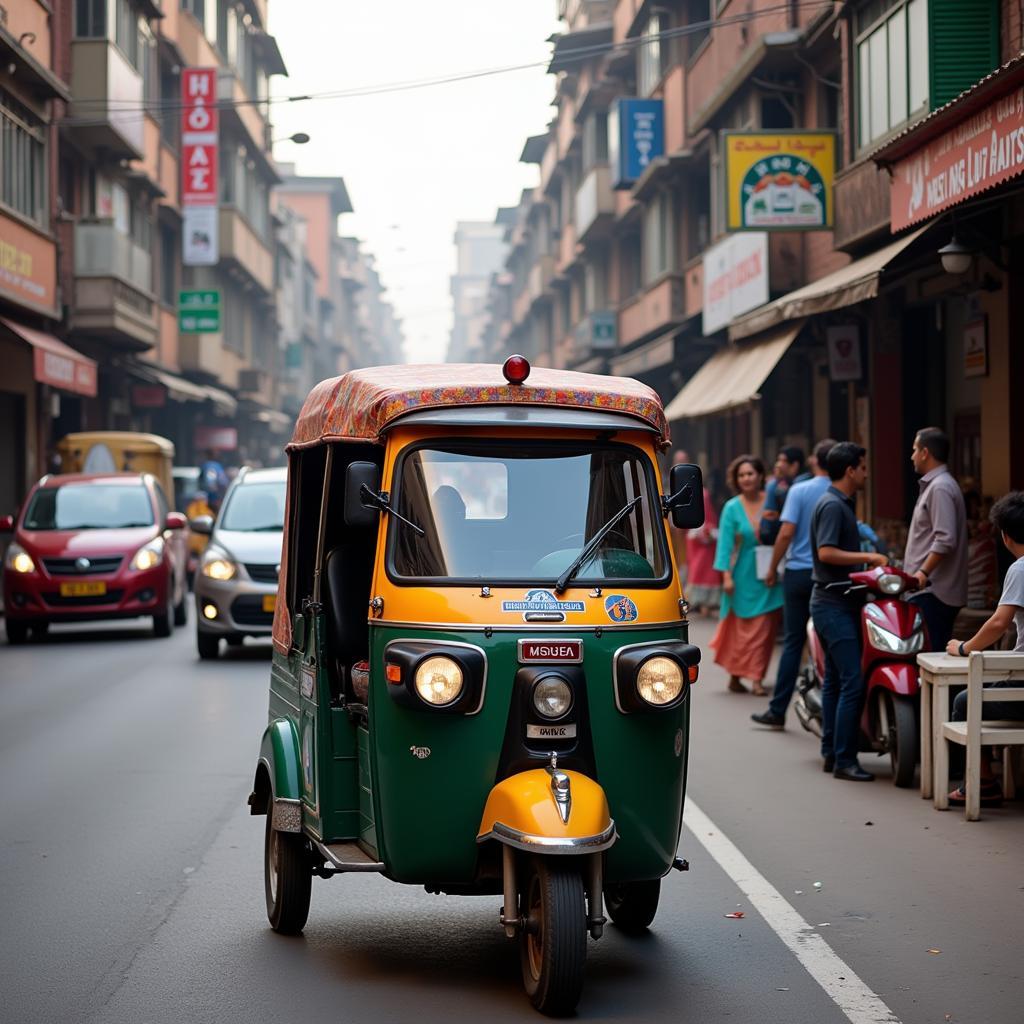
(1008, 518)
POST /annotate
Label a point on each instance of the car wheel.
(163, 623)
(39, 630)
(17, 632)
(181, 609)
(208, 645)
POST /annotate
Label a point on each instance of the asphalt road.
(131, 874)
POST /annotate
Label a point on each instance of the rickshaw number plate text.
(551, 732)
(564, 651)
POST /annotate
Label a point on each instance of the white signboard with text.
(735, 278)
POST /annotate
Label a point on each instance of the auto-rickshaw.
(481, 672)
(119, 451)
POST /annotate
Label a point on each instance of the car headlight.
(217, 567)
(890, 583)
(659, 681)
(149, 556)
(552, 697)
(439, 681)
(884, 640)
(19, 559)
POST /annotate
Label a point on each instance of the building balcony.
(202, 354)
(657, 309)
(861, 198)
(596, 332)
(521, 306)
(595, 204)
(113, 287)
(106, 98)
(241, 245)
(566, 248)
(541, 275)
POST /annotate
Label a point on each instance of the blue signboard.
(636, 135)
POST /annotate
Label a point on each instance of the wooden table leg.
(927, 729)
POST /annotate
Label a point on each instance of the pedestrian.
(213, 479)
(1007, 517)
(788, 469)
(835, 550)
(937, 543)
(703, 581)
(794, 544)
(751, 611)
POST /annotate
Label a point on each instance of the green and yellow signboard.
(779, 181)
(199, 311)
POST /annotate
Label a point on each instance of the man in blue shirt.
(795, 539)
(789, 470)
(835, 550)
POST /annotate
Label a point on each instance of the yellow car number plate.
(268, 602)
(92, 588)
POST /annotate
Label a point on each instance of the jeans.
(796, 588)
(939, 619)
(1008, 710)
(842, 690)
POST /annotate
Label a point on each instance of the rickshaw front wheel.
(287, 877)
(632, 905)
(553, 936)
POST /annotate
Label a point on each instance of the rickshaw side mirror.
(357, 476)
(202, 524)
(686, 500)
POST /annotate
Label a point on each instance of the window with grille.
(23, 174)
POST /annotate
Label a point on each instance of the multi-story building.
(640, 252)
(480, 252)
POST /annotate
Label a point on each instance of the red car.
(94, 546)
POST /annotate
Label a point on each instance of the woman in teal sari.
(751, 612)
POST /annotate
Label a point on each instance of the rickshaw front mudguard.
(279, 775)
(527, 812)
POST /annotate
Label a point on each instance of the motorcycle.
(893, 634)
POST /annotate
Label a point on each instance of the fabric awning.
(226, 405)
(854, 283)
(732, 377)
(655, 354)
(55, 363)
(178, 388)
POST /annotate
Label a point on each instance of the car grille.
(56, 600)
(262, 573)
(98, 566)
(247, 610)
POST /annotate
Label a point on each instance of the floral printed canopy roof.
(362, 404)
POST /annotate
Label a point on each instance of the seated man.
(1008, 518)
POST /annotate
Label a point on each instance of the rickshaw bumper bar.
(518, 840)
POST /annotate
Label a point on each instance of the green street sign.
(199, 311)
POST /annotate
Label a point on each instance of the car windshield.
(523, 513)
(89, 506)
(255, 506)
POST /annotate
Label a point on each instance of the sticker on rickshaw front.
(620, 608)
(542, 601)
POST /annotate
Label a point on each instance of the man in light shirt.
(937, 543)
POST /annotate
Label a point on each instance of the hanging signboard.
(779, 181)
(735, 278)
(844, 352)
(636, 136)
(199, 177)
(199, 311)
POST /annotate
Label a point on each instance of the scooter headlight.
(552, 697)
(19, 559)
(890, 583)
(659, 681)
(883, 640)
(439, 681)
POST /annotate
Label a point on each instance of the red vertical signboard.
(199, 184)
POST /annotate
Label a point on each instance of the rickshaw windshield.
(522, 512)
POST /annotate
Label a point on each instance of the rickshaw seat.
(348, 567)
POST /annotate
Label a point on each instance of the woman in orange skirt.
(751, 611)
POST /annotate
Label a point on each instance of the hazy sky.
(415, 162)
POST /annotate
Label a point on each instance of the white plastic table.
(938, 673)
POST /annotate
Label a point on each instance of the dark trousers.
(796, 588)
(938, 617)
(842, 690)
(1010, 711)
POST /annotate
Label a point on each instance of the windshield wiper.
(380, 501)
(593, 544)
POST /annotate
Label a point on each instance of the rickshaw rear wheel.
(287, 877)
(632, 905)
(553, 936)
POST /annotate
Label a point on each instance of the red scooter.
(893, 634)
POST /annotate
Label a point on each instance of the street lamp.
(956, 257)
(299, 138)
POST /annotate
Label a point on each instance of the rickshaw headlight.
(552, 697)
(439, 681)
(659, 681)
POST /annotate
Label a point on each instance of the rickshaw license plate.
(93, 588)
(551, 732)
(569, 652)
(268, 602)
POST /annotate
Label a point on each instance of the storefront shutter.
(964, 45)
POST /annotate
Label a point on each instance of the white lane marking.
(825, 966)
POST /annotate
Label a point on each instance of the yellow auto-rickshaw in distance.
(119, 451)
(481, 667)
